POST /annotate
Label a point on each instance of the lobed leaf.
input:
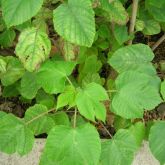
(88, 101)
(37, 119)
(66, 145)
(15, 136)
(135, 93)
(53, 75)
(119, 150)
(67, 97)
(157, 142)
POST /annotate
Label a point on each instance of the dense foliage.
(73, 65)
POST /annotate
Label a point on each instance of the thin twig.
(70, 82)
(106, 130)
(40, 115)
(133, 18)
(160, 40)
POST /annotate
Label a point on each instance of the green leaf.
(119, 150)
(138, 131)
(85, 52)
(156, 9)
(37, 119)
(14, 71)
(66, 145)
(134, 57)
(88, 101)
(116, 11)
(121, 123)
(18, 11)
(67, 97)
(43, 25)
(157, 142)
(3, 65)
(135, 93)
(69, 51)
(33, 48)
(53, 75)
(121, 34)
(23, 26)
(75, 22)
(139, 25)
(15, 136)
(162, 89)
(2, 114)
(86, 69)
(29, 85)
(7, 38)
(45, 13)
(92, 77)
(104, 31)
(60, 118)
(11, 90)
(151, 27)
(45, 99)
(80, 120)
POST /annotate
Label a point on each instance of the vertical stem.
(74, 120)
(133, 18)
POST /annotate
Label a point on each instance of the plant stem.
(160, 40)
(75, 117)
(70, 82)
(40, 115)
(133, 18)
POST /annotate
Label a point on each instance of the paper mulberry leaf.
(67, 97)
(135, 93)
(157, 142)
(162, 89)
(88, 101)
(53, 74)
(66, 145)
(75, 22)
(45, 99)
(156, 9)
(86, 69)
(133, 57)
(18, 11)
(15, 136)
(116, 11)
(3, 65)
(60, 118)
(119, 150)
(7, 38)
(29, 85)
(33, 48)
(14, 71)
(37, 119)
